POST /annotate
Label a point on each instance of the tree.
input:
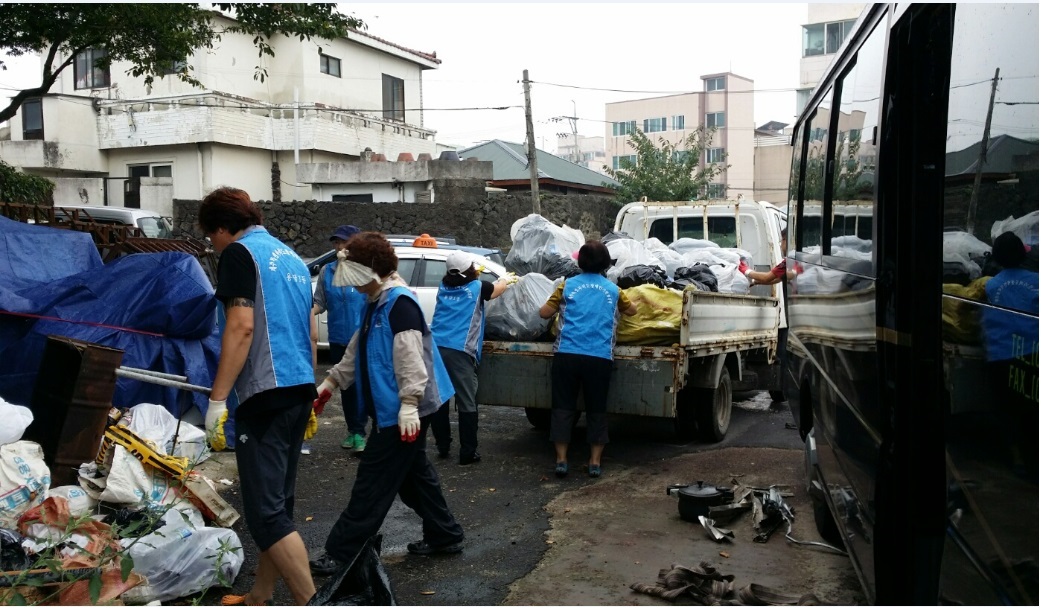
(151, 36)
(18, 187)
(667, 171)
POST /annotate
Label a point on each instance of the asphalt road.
(534, 539)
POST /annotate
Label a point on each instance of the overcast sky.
(634, 51)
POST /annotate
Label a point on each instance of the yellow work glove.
(312, 426)
(216, 417)
(511, 278)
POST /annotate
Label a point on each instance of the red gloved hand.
(742, 267)
(325, 392)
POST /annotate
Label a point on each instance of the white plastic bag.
(183, 557)
(80, 502)
(627, 253)
(687, 244)
(24, 480)
(13, 421)
(515, 314)
(1025, 227)
(539, 246)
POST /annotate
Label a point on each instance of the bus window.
(810, 230)
(856, 149)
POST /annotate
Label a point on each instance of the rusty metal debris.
(707, 586)
(717, 534)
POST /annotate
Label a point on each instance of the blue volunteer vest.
(588, 313)
(1008, 335)
(379, 356)
(459, 318)
(280, 354)
(345, 307)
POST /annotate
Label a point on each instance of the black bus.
(912, 365)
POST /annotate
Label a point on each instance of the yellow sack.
(961, 320)
(657, 319)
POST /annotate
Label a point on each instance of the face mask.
(349, 273)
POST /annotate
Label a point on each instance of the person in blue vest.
(458, 329)
(588, 306)
(401, 382)
(1010, 332)
(267, 359)
(345, 305)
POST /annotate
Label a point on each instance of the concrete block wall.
(463, 210)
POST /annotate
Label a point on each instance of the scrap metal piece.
(726, 513)
(717, 534)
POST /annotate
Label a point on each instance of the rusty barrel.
(71, 402)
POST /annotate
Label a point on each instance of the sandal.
(594, 471)
(561, 469)
(230, 600)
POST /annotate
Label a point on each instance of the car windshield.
(156, 228)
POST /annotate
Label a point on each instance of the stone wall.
(462, 210)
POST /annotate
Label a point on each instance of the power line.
(687, 92)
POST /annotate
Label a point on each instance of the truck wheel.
(713, 409)
(829, 531)
(538, 417)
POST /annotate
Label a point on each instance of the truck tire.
(826, 526)
(713, 409)
(538, 417)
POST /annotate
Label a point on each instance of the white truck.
(728, 342)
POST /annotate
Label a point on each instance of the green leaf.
(126, 565)
(94, 587)
(17, 599)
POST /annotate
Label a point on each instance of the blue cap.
(345, 232)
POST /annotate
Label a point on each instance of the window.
(854, 188)
(407, 268)
(718, 83)
(616, 161)
(653, 125)
(86, 74)
(32, 119)
(716, 191)
(174, 67)
(150, 170)
(677, 123)
(810, 228)
(813, 40)
(715, 119)
(836, 33)
(433, 272)
(331, 66)
(721, 230)
(393, 98)
(680, 156)
(714, 155)
(623, 128)
(366, 198)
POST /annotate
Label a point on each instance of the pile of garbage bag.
(124, 506)
(544, 255)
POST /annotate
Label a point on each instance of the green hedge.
(18, 187)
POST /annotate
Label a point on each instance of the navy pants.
(354, 416)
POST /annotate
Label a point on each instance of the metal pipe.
(162, 375)
(151, 378)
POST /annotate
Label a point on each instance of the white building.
(826, 28)
(583, 150)
(106, 138)
(724, 102)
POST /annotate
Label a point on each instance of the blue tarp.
(158, 308)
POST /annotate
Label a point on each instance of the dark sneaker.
(443, 453)
(424, 549)
(324, 565)
(468, 459)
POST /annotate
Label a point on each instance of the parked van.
(149, 222)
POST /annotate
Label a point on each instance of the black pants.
(462, 371)
(355, 418)
(391, 467)
(592, 375)
(267, 454)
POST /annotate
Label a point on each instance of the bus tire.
(538, 417)
(713, 409)
(826, 526)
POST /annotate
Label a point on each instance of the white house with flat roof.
(106, 138)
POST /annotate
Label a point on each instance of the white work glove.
(216, 417)
(325, 391)
(511, 278)
(408, 419)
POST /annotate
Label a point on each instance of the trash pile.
(132, 530)
(651, 274)
(707, 586)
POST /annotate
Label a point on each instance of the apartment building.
(105, 138)
(826, 28)
(584, 150)
(724, 102)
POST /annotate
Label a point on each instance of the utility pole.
(970, 225)
(533, 169)
(574, 132)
